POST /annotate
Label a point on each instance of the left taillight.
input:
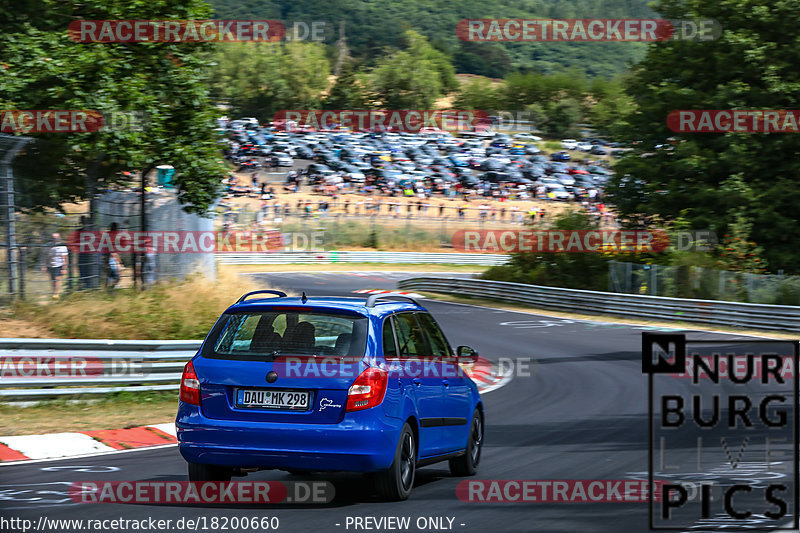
(190, 385)
(367, 390)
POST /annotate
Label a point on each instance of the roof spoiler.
(264, 291)
(375, 297)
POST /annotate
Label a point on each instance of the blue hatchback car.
(329, 384)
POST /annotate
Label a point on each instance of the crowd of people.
(503, 203)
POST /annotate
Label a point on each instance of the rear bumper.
(365, 441)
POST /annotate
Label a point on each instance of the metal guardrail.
(163, 361)
(58, 368)
(733, 314)
(286, 258)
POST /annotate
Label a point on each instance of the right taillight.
(367, 390)
(190, 385)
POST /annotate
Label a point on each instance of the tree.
(44, 69)
(477, 94)
(259, 79)
(609, 104)
(578, 270)
(350, 91)
(524, 88)
(561, 118)
(486, 59)
(737, 252)
(748, 67)
(413, 78)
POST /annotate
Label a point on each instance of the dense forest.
(373, 26)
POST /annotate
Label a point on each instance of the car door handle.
(416, 381)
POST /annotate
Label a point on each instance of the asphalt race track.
(581, 414)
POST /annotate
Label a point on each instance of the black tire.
(200, 472)
(467, 464)
(396, 483)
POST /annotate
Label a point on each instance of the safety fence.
(703, 283)
(720, 313)
(38, 264)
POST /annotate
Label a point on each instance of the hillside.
(372, 26)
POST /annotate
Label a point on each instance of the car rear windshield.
(269, 334)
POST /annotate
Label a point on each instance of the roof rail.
(374, 297)
(263, 291)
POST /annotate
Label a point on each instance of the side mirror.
(466, 354)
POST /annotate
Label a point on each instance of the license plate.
(273, 399)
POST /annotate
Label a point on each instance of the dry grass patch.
(182, 310)
(11, 327)
(115, 412)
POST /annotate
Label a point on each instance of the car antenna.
(304, 299)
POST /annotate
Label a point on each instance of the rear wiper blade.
(278, 353)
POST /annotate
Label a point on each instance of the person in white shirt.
(57, 257)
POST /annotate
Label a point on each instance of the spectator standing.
(484, 210)
(112, 261)
(115, 269)
(57, 259)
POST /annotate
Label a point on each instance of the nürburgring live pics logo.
(723, 432)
